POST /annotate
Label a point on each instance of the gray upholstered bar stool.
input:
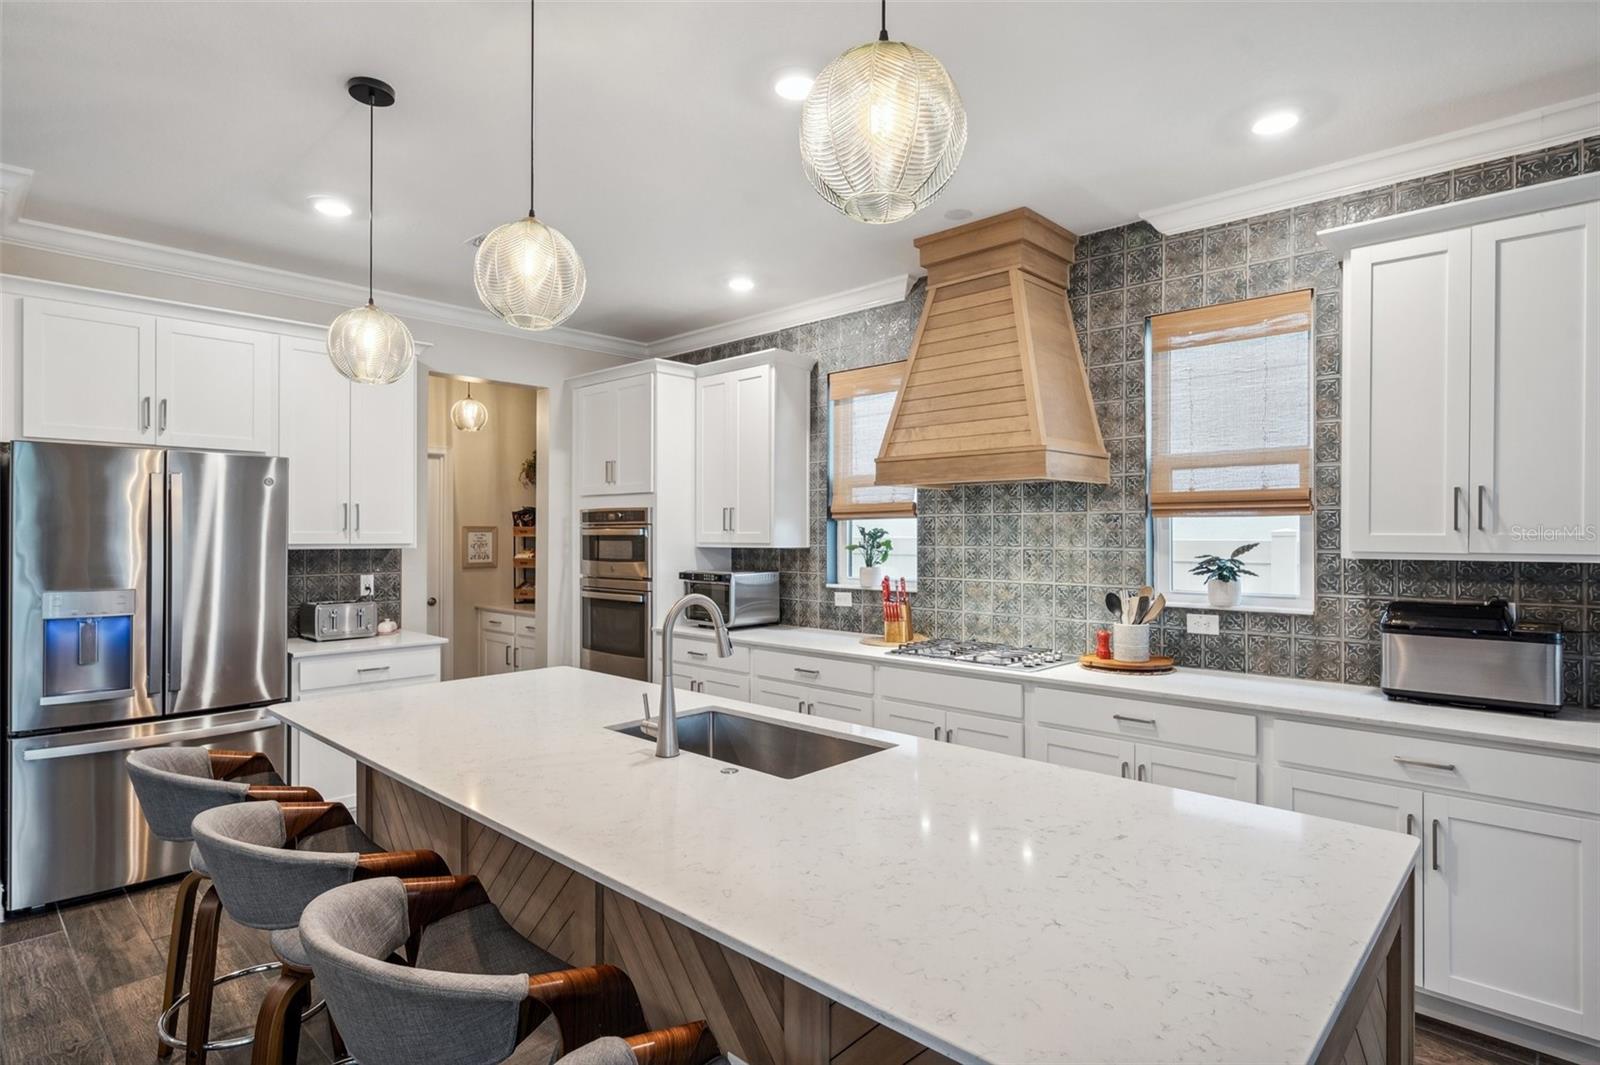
(173, 785)
(268, 860)
(476, 990)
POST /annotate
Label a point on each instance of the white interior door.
(752, 478)
(314, 435)
(1512, 920)
(88, 373)
(1406, 396)
(1536, 384)
(715, 461)
(440, 543)
(1077, 750)
(216, 387)
(383, 462)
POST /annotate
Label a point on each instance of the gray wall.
(1032, 562)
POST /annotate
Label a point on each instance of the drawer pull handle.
(1141, 772)
(496, 622)
(1436, 844)
(696, 654)
(811, 708)
(373, 669)
(936, 731)
(1124, 770)
(808, 672)
(1411, 823)
(1446, 767)
(1134, 720)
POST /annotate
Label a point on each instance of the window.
(1231, 447)
(859, 405)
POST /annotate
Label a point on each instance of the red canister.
(1102, 644)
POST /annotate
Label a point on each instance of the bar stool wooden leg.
(178, 946)
(278, 1024)
(203, 969)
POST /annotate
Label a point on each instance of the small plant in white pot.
(875, 546)
(1222, 575)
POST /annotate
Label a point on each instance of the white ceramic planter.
(1222, 594)
(870, 576)
(1130, 643)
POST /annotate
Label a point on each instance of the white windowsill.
(1194, 601)
(911, 586)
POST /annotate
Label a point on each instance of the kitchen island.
(986, 908)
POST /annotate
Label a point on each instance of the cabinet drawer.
(986, 733)
(343, 671)
(814, 671)
(1442, 765)
(495, 621)
(691, 652)
(712, 682)
(937, 688)
(527, 628)
(909, 718)
(1138, 719)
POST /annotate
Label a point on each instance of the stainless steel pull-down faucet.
(666, 723)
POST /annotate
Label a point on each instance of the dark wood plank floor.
(81, 984)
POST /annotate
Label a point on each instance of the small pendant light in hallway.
(368, 345)
(526, 272)
(882, 129)
(469, 415)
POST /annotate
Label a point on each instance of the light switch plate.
(842, 599)
(1203, 624)
(366, 585)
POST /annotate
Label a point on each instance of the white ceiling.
(665, 155)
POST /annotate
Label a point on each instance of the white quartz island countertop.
(994, 908)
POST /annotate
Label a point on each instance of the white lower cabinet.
(711, 681)
(1512, 911)
(494, 653)
(1210, 774)
(949, 726)
(1079, 750)
(924, 721)
(840, 706)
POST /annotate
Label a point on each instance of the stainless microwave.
(615, 544)
(745, 598)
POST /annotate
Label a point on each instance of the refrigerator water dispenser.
(88, 645)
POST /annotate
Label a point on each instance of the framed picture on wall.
(478, 547)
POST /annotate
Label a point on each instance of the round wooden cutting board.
(1157, 664)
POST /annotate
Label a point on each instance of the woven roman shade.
(860, 402)
(1231, 408)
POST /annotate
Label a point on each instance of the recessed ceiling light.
(331, 206)
(1275, 122)
(741, 284)
(793, 86)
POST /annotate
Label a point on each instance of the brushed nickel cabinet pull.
(1134, 720)
(144, 414)
(811, 708)
(373, 669)
(936, 734)
(1141, 771)
(1436, 843)
(358, 517)
(808, 672)
(1446, 767)
(508, 655)
(1124, 770)
(1455, 508)
(949, 735)
(344, 522)
(1411, 823)
(1482, 491)
(162, 417)
(696, 654)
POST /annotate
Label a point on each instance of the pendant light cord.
(883, 15)
(533, 88)
(372, 209)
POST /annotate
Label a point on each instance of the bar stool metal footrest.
(169, 1019)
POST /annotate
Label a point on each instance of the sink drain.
(729, 769)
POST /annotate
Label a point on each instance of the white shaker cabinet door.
(1078, 750)
(1512, 922)
(716, 463)
(1536, 384)
(985, 733)
(88, 373)
(1209, 774)
(634, 470)
(384, 462)
(854, 709)
(495, 653)
(752, 456)
(594, 445)
(216, 387)
(314, 435)
(909, 718)
(1407, 396)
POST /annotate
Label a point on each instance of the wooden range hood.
(995, 388)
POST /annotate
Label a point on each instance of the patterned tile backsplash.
(321, 574)
(1032, 562)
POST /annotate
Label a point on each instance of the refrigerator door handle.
(134, 743)
(177, 568)
(155, 603)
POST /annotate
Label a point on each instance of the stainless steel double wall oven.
(615, 588)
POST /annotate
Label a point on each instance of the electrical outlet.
(1204, 624)
(367, 586)
(842, 599)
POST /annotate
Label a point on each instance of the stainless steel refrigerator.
(146, 600)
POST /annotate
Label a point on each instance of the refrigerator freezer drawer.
(75, 827)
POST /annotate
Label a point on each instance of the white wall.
(493, 354)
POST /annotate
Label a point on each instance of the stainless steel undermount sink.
(759, 744)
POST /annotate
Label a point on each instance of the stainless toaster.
(1470, 654)
(339, 621)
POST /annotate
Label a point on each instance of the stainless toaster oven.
(1470, 654)
(745, 598)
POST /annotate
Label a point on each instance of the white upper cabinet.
(1472, 390)
(352, 452)
(216, 387)
(88, 373)
(1536, 384)
(613, 434)
(752, 439)
(107, 374)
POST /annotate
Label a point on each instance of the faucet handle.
(644, 697)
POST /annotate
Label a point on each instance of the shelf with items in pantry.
(524, 555)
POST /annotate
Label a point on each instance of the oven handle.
(135, 743)
(616, 597)
(616, 530)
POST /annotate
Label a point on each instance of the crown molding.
(14, 183)
(876, 294)
(198, 266)
(1540, 128)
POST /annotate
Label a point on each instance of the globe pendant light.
(468, 414)
(882, 129)
(368, 345)
(527, 273)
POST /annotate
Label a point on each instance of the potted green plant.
(1222, 575)
(528, 473)
(875, 546)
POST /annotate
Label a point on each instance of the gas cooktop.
(982, 653)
